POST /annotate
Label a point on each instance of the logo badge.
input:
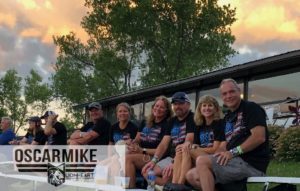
(56, 174)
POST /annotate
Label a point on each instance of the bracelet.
(239, 150)
(144, 151)
(154, 159)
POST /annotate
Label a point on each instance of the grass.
(288, 169)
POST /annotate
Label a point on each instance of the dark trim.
(280, 64)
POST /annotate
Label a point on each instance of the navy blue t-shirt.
(151, 136)
(205, 135)
(117, 134)
(179, 129)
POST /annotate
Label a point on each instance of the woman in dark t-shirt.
(148, 138)
(35, 134)
(124, 129)
(209, 134)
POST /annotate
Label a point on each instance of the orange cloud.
(260, 21)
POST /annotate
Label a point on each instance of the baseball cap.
(34, 119)
(180, 97)
(94, 105)
(47, 113)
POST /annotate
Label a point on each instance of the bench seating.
(282, 181)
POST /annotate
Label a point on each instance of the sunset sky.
(263, 28)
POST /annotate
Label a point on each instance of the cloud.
(27, 28)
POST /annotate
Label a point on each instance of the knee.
(189, 175)
(202, 161)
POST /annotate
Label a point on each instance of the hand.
(179, 148)
(150, 165)
(13, 142)
(223, 157)
(168, 171)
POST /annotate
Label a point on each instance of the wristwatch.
(234, 152)
(144, 151)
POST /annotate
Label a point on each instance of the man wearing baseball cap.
(180, 133)
(95, 132)
(56, 131)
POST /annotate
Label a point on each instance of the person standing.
(246, 152)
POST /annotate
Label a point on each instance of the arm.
(86, 138)
(75, 134)
(210, 150)
(49, 130)
(256, 138)
(161, 149)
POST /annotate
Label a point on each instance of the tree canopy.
(134, 44)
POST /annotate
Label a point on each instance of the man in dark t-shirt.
(180, 129)
(95, 132)
(54, 130)
(246, 152)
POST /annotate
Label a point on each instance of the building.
(271, 82)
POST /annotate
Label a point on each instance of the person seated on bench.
(246, 153)
(209, 134)
(148, 138)
(180, 130)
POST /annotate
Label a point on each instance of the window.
(274, 88)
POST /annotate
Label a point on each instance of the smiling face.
(231, 95)
(95, 114)
(208, 110)
(159, 109)
(123, 113)
(181, 109)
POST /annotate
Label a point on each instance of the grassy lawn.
(291, 169)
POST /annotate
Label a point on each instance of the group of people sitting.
(54, 133)
(202, 148)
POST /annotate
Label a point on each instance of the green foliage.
(12, 103)
(274, 133)
(288, 144)
(141, 40)
(37, 94)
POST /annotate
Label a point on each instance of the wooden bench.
(282, 181)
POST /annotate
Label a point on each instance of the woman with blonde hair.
(148, 138)
(209, 134)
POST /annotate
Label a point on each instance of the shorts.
(165, 162)
(236, 169)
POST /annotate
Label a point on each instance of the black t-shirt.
(205, 135)
(179, 129)
(129, 132)
(151, 136)
(102, 127)
(237, 130)
(60, 138)
(40, 137)
(29, 137)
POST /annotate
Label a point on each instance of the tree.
(158, 41)
(12, 102)
(37, 94)
(175, 38)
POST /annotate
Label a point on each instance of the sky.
(263, 28)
